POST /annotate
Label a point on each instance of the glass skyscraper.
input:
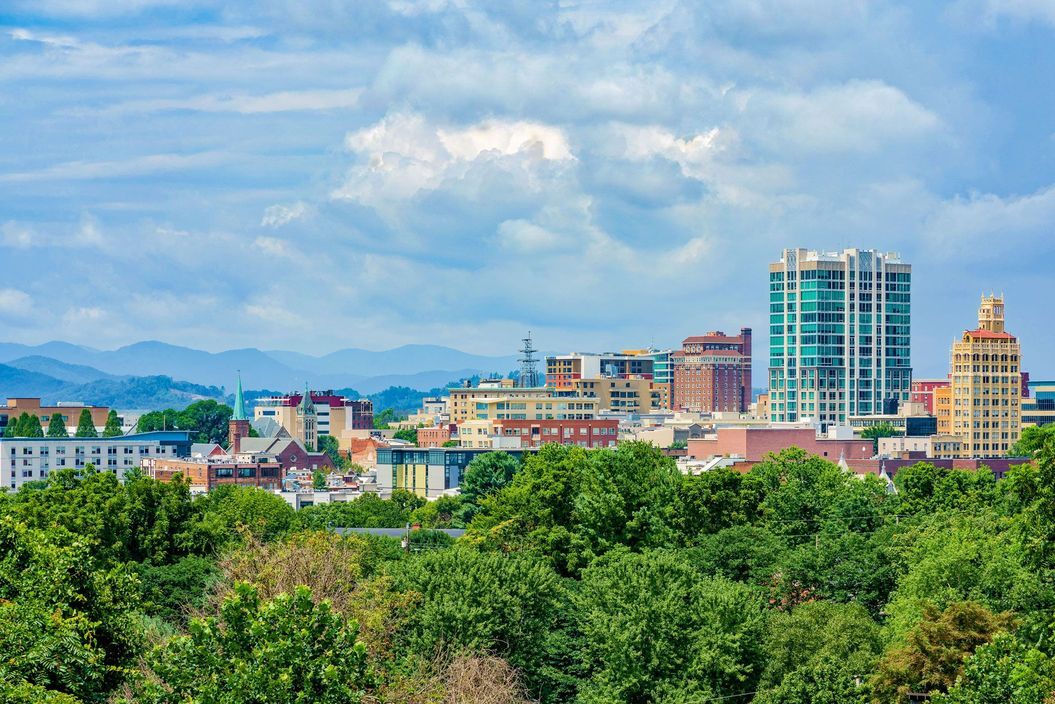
(839, 329)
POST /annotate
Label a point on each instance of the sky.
(318, 174)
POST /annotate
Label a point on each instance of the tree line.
(584, 576)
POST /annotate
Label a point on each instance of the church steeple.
(239, 402)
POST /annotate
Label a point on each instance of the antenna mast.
(529, 376)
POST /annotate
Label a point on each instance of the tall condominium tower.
(985, 411)
(838, 334)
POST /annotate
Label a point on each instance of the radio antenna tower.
(529, 376)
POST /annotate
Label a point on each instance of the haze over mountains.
(91, 375)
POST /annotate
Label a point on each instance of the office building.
(986, 385)
(712, 373)
(425, 472)
(839, 334)
(1039, 407)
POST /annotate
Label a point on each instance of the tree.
(449, 443)
(383, 419)
(1005, 670)
(407, 435)
(1032, 440)
(814, 634)
(28, 426)
(86, 426)
(113, 425)
(57, 426)
(653, 629)
(287, 651)
(328, 444)
(879, 430)
(509, 605)
(487, 473)
(932, 654)
(318, 480)
(208, 419)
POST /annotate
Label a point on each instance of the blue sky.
(316, 174)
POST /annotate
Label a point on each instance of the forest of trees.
(584, 576)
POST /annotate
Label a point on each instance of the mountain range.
(415, 366)
(151, 374)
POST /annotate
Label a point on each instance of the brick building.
(923, 391)
(207, 473)
(712, 373)
(753, 444)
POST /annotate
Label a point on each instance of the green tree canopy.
(654, 629)
(113, 425)
(487, 473)
(86, 426)
(57, 426)
(407, 435)
(1003, 671)
(879, 430)
(290, 650)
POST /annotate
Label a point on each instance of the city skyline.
(459, 175)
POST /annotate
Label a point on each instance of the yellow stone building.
(986, 386)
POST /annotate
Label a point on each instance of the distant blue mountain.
(419, 366)
(75, 373)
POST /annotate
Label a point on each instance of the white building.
(33, 459)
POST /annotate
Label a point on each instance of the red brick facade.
(923, 392)
(584, 433)
(712, 373)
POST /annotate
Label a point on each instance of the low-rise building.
(206, 473)
(425, 472)
(70, 412)
(33, 459)
(754, 443)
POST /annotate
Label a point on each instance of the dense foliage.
(584, 576)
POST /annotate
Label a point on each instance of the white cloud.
(525, 236)
(958, 226)
(15, 303)
(279, 215)
(404, 154)
(135, 166)
(13, 234)
(856, 116)
(246, 104)
(275, 247)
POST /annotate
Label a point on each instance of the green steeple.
(239, 402)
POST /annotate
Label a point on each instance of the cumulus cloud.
(404, 154)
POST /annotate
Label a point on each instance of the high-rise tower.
(986, 394)
(839, 326)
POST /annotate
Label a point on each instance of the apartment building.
(33, 459)
(462, 401)
(838, 334)
(924, 390)
(618, 394)
(518, 434)
(563, 370)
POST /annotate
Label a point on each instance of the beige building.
(506, 407)
(630, 395)
(462, 402)
(986, 386)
